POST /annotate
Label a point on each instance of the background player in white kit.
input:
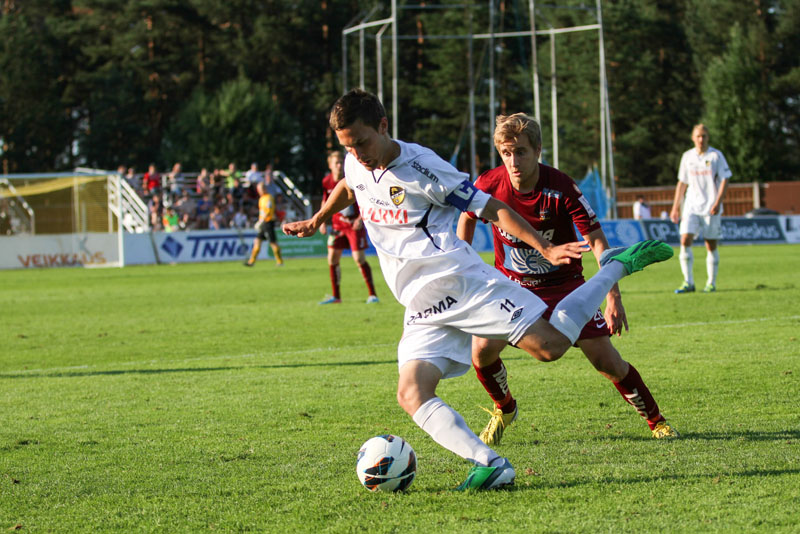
(703, 178)
(407, 196)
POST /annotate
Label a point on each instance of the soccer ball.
(386, 463)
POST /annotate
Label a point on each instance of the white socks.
(712, 265)
(687, 264)
(575, 310)
(448, 429)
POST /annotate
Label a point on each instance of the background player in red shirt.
(345, 230)
(551, 202)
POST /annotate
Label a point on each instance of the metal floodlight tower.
(606, 144)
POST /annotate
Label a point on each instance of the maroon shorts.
(348, 238)
(596, 327)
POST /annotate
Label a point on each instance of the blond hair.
(510, 127)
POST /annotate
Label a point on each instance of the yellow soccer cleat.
(663, 430)
(493, 432)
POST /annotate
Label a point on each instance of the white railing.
(131, 211)
(299, 203)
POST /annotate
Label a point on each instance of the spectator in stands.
(186, 204)
(216, 221)
(231, 174)
(202, 185)
(151, 181)
(271, 187)
(156, 210)
(170, 220)
(175, 180)
(237, 193)
(240, 219)
(187, 223)
(641, 209)
(217, 183)
(202, 211)
(253, 176)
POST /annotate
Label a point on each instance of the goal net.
(60, 220)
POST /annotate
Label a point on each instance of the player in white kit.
(703, 178)
(409, 199)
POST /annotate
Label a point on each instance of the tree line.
(103, 83)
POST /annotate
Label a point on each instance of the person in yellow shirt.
(265, 227)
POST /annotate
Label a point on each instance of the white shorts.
(442, 318)
(709, 226)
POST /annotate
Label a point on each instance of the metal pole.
(554, 97)
(344, 63)
(535, 65)
(492, 154)
(361, 83)
(379, 59)
(395, 118)
(605, 118)
(471, 81)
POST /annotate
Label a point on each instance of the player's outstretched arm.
(341, 197)
(510, 221)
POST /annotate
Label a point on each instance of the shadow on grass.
(112, 372)
(537, 485)
(732, 435)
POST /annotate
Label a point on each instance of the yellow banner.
(42, 186)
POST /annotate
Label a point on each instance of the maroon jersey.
(555, 207)
(342, 220)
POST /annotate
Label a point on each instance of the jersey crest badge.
(398, 194)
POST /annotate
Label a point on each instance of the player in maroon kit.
(345, 230)
(551, 202)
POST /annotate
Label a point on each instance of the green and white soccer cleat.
(686, 287)
(710, 288)
(486, 478)
(493, 432)
(637, 257)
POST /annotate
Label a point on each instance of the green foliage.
(735, 90)
(241, 121)
(37, 127)
(102, 82)
(207, 397)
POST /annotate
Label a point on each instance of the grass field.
(210, 397)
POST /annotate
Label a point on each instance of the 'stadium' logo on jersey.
(424, 171)
(398, 194)
(439, 307)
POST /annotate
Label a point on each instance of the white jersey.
(703, 174)
(409, 211)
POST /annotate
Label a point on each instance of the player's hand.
(714, 209)
(615, 316)
(323, 228)
(675, 216)
(562, 254)
(300, 228)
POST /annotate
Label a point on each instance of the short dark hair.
(354, 105)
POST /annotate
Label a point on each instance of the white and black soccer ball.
(386, 463)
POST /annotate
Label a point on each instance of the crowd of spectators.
(222, 198)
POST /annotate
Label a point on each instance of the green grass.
(216, 398)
